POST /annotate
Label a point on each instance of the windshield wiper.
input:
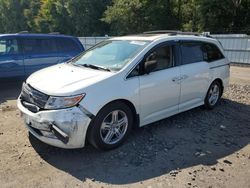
(94, 67)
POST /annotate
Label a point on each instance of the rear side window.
(47, 45)
(212, 52)
(192, 52)
(8, 47)
(66, 45)
(39, 46)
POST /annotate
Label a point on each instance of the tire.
(113, 119)
(213, 96)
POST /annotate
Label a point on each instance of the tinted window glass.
(191, 52)
(39, 46)
(30, 46)
(212, 53)
(8, 46)
(47, 45)
(164, 57)
(67, 45)
(134, 72)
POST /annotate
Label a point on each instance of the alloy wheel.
(114, 127)
(214, 94)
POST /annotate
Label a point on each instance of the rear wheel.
(213, 95)
(111, 126)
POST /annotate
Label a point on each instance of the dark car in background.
(22, 54)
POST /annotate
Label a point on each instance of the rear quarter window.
(212, 52)
(67, 45)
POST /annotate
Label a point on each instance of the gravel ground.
(197, 148)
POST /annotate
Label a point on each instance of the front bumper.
(64, 128)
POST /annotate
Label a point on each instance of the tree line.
(119, 17)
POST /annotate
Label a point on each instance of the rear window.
(67, 45)
(39, 46)
(192, 52)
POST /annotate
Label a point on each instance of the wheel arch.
(136, 118)
(131, 106)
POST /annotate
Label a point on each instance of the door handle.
(183, 77)
(29, 56)
(176, 79)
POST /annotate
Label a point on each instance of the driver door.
(160, 89)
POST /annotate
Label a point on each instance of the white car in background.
(121, 83)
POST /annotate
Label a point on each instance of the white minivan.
(121, 83)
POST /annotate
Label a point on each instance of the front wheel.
(213, 95)
(111, 126)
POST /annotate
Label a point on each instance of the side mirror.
(150, 63)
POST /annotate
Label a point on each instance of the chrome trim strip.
(219, 66)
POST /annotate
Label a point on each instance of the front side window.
(164, 57)
(192, 52)
(8, 47)
(111, 54)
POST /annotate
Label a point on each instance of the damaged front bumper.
(64, 128)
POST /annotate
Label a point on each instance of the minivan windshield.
(110, 55)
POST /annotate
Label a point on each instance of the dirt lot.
(197, 148)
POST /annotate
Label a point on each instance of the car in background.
(22, 54)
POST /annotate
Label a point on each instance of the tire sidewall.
(207, 104)
(94, 136)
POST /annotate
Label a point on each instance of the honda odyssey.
(121, 83)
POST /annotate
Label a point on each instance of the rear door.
(160, 90)
(39, 53)
(11, 59)
(194, 75)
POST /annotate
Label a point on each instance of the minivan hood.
(65, 79)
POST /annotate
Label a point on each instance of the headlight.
(63, 102)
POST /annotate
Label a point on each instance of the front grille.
(33, 96)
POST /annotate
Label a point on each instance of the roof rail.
(54, 33)
(189, 33)
(162, 32)
(173, 32)
(23, 32)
